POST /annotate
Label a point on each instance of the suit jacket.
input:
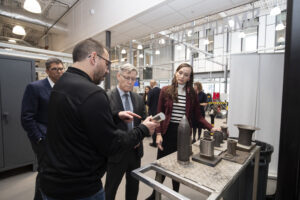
(152, 102)
(165, 105)
(116, 106)
(34, 113)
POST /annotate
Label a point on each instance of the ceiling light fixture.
(280, 27)
(123, 51)
(19, 30)
(275, 11)
(32, 6)
(140, 47)
(141, 56)
(189, 33)
(242, 34)
(157, 52)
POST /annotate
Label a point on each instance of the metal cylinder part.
(231, 147)
(207, 147)
(245, 134)
(218, 139)
(221, 137)
(225, 132)
(184, 141)
(207, 134)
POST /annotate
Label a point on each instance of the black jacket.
(34, 114)
(117, 106)
(153, 97)
(81, 135)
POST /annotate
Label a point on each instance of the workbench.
(210, 181)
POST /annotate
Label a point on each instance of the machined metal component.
(207, 147)
(207, 134)
(218, 136)
(231, 147)
(225, 132)
(245, 134)
(184, 141)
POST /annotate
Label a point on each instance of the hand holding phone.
(159, 117)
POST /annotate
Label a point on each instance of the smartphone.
(159, 117)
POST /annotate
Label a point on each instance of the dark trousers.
(114, 175)
(195, 128)
(169, 145)
(154, 138)
(39, 152)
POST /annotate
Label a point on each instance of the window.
(249, 41)
(280, 30)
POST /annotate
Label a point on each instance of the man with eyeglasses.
(121, 99)
(34, 114)
(81, 131)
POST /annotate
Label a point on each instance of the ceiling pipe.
(54, 24)
(21, 15)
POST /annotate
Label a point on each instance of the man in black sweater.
(81, 130)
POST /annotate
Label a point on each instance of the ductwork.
(31, 18)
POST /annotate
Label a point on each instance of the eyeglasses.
(57, 69)
(129, 78)
(108, 62)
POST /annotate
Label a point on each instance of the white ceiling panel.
(205, 8)
(179, 4)
(168, 21)
(139, 30)
(125, 26)
(155, 14)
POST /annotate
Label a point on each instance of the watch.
(39, 140)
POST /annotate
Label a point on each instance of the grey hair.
(127, 67)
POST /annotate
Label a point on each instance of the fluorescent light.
(141, 56)
(206, 41)
(123, 51)
(12, 41)
(32, 6)
(139, 46)
(280, 27)
(242, 34)
(19, 30)
(157, 52)
(231, 23)
(275, 11)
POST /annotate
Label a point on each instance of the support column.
(288, 184)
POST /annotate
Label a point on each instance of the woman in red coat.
(175, 101)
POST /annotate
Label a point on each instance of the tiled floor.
(19, 184)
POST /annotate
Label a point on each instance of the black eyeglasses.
(57, 69)
(108, 62)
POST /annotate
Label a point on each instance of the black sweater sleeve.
(101, 129)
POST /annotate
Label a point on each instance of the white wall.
(256, 82)
(81, 24)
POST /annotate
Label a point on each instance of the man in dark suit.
(152, 102)
(122, 98)
(34, 114)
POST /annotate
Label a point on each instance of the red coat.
(165, 105)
